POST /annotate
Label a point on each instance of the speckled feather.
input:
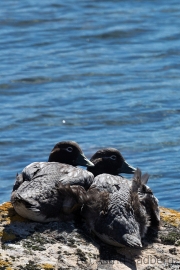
(110, 183)
(119, 220)
(123, 215)
(113, 223)
(41, 193)
(44, 191)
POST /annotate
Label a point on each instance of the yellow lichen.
(170, 216)
(8, 214)
(5, 206)
(47, 266)
(5, 265)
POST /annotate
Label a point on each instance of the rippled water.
(102, 73)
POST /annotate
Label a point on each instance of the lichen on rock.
(170, 216)
(27, 245)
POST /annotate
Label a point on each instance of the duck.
(110, 161)
(52, 190)
(118, 210)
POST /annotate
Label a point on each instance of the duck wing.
(28, 173)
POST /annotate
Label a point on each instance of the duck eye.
(69, 149)
(113, 157)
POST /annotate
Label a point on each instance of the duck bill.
(126, 168)
(83, 161)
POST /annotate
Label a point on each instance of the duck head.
(69, 152)
(109, 160)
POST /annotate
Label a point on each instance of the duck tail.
(146, 198)
(141, 215)
(136, 185)
(139, 180)
(131, 241)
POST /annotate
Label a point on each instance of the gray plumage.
(47, 191)
(116, 211)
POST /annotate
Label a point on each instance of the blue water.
(102, 73)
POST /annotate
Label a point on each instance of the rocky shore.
(27, 245)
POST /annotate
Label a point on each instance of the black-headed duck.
(118, 210)
(109, 160)
(48, 191)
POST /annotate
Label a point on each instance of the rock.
(177, 243)
(28, 245)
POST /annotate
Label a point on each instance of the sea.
(101, 73)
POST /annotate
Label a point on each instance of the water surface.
(102, 73)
